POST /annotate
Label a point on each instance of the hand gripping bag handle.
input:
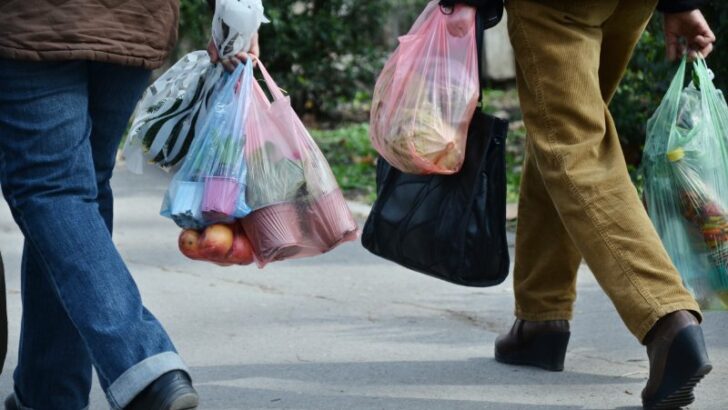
(490, 12)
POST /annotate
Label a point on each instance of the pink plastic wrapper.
(427, 93)
(298, 208)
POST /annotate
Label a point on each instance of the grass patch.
(515, 149)
(503, 103)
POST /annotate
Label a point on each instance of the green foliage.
(515, 150)
(324, 52)
(352, 159)
(717, 14)
(194, 27)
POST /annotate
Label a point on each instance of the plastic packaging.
(210, 186)
(171, 112)
(298, 208)
(427, 93)
(686, 183)
(235, 23)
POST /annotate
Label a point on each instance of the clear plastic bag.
(686, 183)
(171, 112)
(173, 109)
(235, 23)
(298, 208)
(210, 186)
(427, 93)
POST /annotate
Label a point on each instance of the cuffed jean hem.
(21, 407)
(124, 389)
(644, 328)
(543, 316)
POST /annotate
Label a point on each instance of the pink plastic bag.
(427, 93)
(298, 208)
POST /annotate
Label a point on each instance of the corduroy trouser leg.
(577, 200)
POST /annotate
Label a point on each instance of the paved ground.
(350, 331)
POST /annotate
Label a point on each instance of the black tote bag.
(451, 227)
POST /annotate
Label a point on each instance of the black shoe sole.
(546, 351)
(10, 403)
(687, 364)
(184, 401)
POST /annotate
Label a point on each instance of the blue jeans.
(60, 126)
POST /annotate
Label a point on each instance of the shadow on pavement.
(473, 372)
(340, 400)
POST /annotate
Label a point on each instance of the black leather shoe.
(10, 403)
(678, 361)
(539, 344)
(171, 391)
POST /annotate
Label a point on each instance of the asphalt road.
(350, 331)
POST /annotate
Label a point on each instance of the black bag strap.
(3, 317)
(489, 11)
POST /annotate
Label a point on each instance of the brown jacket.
(137, 33)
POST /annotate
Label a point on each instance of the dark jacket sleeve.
(474, 3)
(677, 6)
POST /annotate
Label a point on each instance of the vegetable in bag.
(297, 207)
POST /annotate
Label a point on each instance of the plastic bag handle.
(676, 87)
(272, 86)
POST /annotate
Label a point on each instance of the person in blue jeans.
(71, 73)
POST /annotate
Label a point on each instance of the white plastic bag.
(171, 112)
(235, 23)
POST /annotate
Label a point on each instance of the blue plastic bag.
(210, 186)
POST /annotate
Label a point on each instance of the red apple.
(216, 242)
(242, 251)
(189, 243)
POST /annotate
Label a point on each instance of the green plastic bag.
(686, 182)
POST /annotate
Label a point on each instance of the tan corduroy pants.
(577, 200)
